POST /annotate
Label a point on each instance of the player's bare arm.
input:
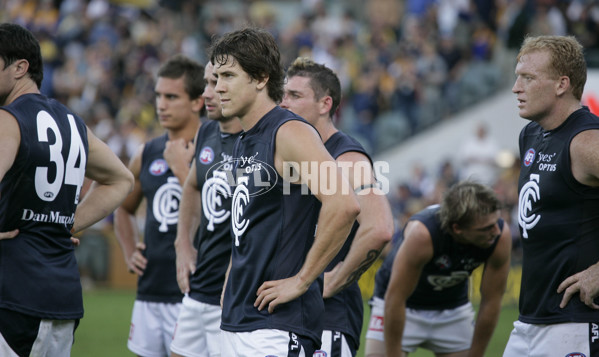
(190, 215)
(415, 251)
(585, 168)
(10, 136)
(125, 224)
(112, 182)
(299, 142)
(492, 288)
(375, 219)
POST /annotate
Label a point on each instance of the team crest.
(158, 167)
(206, 155)
(443, 262)
(529, 157)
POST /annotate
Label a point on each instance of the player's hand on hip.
(137, 262)
(9, 234)
(276, 292)
(585, 283)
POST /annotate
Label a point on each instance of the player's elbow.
(128, 181)
(384, 233)
(351, 209)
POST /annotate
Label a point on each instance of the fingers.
(588, 299)
(137, 263)
(566, 283)
(75, 241)
(183, 274)
(568, 295)
(266, 296)
(135, 270)
(183, 282)
(9, 234)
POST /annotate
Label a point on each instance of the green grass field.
(104, 329)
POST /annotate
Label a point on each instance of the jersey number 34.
(68, 173)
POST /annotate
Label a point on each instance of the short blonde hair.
(566, 58)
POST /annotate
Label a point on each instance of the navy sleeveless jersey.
(214, 164)
(39, 195)
(558, 219)
(272, 225)
(443, 283)
(162, 191)
(344, 311)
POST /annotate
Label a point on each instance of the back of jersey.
(39, 195)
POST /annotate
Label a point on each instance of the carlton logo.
(206, 155)
(529, 194)
(158, 167)
(529, 157)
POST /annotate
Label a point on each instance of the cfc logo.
(215, 190)
(241, 198)
(166, 203)
(529, 194)
(440, 282)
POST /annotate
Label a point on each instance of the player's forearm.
(488, 315)
(99, 202)
(365, 249)
(125, 230)
(334, 225)
(181, 172)
(394, 323)
(190, 215)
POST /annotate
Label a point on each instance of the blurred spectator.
(477, 157)
(415, 61)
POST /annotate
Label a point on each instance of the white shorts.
(54, 338)
(152, 328)
(334, 344)
(197, 333)
(266, 342)
(441, 331)
(377, 315)
(565, 339)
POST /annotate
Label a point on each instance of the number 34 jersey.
(39, 195)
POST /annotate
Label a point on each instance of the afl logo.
(575, 354)
(206, 155)
(320, 353)
(529, 157)
(158, 167)
(443, 262)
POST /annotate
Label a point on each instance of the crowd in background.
(404, 65)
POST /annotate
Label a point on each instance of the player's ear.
(21, 67)
(455, 228)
